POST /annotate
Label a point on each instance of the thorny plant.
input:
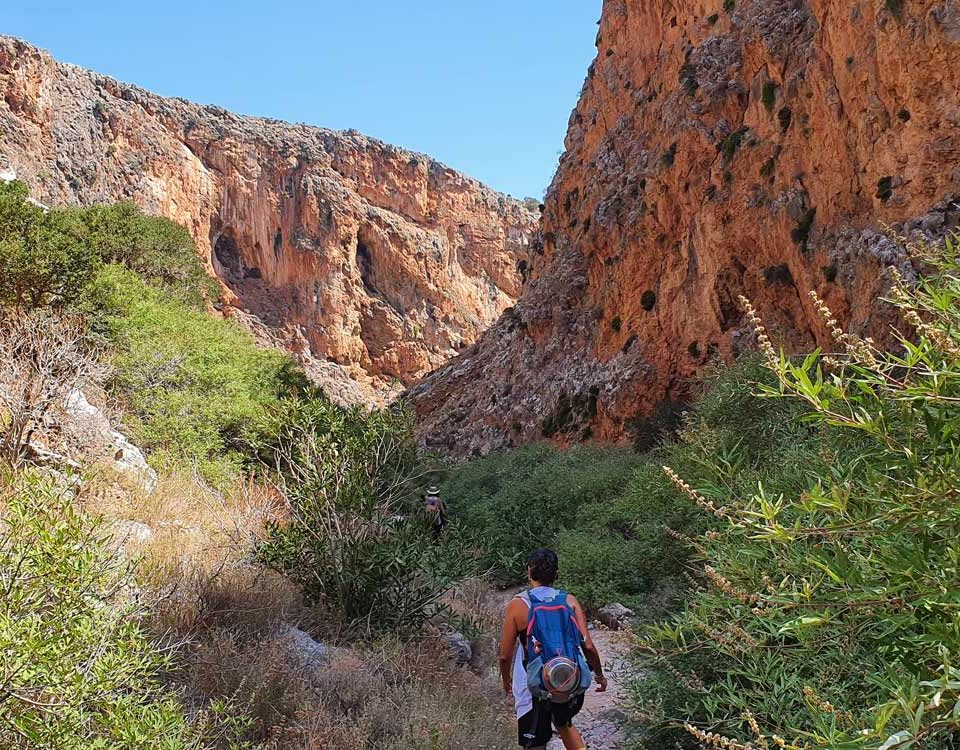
(832, 618)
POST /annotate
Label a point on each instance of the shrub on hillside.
(46, 257)
(194, 387)
(161, 251)
(78, 672)
(828, 615)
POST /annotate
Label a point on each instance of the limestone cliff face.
(375, 264)
(753, 147)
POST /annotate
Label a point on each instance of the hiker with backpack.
(436, 511)
(546, 657)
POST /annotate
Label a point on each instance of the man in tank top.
(536, 718)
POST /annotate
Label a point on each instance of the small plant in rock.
(768, 96)
(732, 143)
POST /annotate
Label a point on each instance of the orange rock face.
(755, 149)
(373, 263)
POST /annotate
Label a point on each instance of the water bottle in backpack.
(556, 667)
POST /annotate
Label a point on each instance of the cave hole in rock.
(228, 254)
(648, 299)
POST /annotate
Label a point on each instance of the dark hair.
(543, 566)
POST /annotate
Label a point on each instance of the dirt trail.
(602, 714)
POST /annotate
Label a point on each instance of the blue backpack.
(556, 667)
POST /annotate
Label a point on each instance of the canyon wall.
(718, 148)
(372, 263)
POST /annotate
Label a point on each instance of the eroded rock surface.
(714, 152)
(373, 263)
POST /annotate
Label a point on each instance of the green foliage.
(769, 95)
(78, 671)
(830, 608)
(885, 189)
(801, 233)
(728, 5)
(358, 541)
(508, 504)
(159, 250)
(732, 143)
(46, 257)
(895, 7)
(49, 257)
(195, 387)
(688, 77)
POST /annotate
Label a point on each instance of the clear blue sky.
(486, 87)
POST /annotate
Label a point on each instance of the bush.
(508, 504)
(356, 540)
(78, 671)
(160, 251)
(194, 387)
(827, 615)
(46, 257)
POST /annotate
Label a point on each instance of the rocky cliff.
(718, 148)
(373, 263)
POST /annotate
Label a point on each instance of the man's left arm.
(590, 650)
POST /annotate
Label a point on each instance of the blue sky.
(486, 87)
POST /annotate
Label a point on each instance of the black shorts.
(535, 728)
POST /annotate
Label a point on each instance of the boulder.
(307, 653)
(89, 427)
(461, 650)
(615, 615)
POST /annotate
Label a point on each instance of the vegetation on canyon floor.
(794, 567)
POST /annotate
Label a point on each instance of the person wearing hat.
(436, 510)
(537, 717)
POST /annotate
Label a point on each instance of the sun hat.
(433, 490)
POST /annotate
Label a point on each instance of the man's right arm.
(508, 642)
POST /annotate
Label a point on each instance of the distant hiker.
(436, 510)
(546, 656)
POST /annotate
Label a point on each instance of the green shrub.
(78, 670)
(194, 387)
(49, 257)
(829, 608)
(46, 257)
(159, 250)
(508, 504)
(358, 541)
(769, 96)
(732, 143)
